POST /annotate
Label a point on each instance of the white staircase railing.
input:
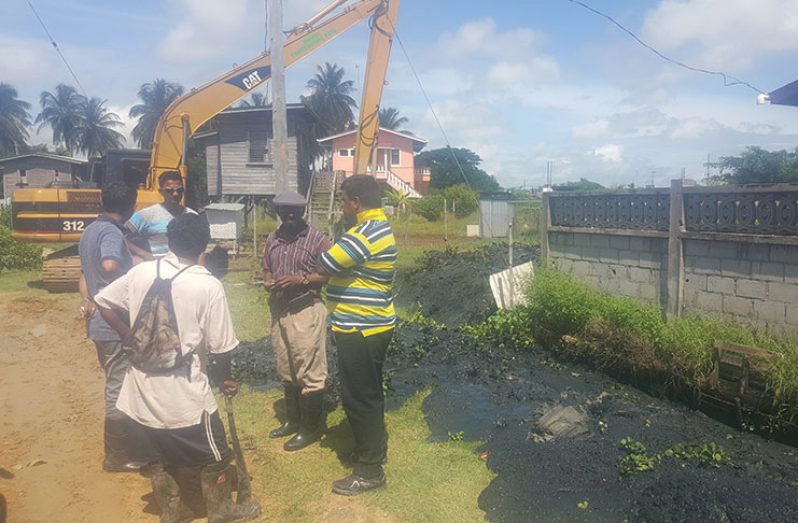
(400, 185)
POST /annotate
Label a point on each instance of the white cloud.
(127, 123)
(511, 57)
(483, 37)
(595, 129)
(609, 153)
(23, 60)
(209, 28)
(513, 74)
(730, 34)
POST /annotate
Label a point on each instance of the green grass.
(615, 329)
(426, 481)
(248, 300)
(21, 282)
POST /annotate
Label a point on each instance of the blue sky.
(519, 82)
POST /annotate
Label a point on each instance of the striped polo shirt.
(361, 266)
(287, 255)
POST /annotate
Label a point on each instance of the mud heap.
(451, 286)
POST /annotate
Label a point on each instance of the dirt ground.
(51, 436)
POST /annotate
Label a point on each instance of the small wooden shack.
(39, 170)
(239, 151)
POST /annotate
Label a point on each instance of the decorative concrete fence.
(729, 250)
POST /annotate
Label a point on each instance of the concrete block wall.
(752, 283)
(626, 265)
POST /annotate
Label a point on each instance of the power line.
(57, 49)
(431, 108)
(728, 80)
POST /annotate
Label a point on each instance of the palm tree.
(97, 133)
(62, 112)
(14, 120)
(255, 100)
(156, 97)
(390, 119)
(330, 98)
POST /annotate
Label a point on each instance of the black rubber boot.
(118, 449)
(292, 414)
(167, 495)
(217, 490)
(311, 407)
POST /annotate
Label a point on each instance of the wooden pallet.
(739, 374)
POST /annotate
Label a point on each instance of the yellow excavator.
(58, 214)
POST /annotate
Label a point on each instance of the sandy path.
(51, 400)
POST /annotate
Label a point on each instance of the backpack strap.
(181, 272)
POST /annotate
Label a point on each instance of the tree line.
(82, 124)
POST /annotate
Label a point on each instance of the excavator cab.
(125, 165)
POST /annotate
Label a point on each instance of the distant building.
(39, 170)
(239, 151)
(395, 159)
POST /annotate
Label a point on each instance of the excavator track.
(61, 270)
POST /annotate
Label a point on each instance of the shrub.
(16, 255)
(463, 200)
(638, 319)
(560, 305)
(430, 207)
(5, 216)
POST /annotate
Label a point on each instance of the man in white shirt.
(176, 409)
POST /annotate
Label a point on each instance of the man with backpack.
(179, 317)
(103, 258)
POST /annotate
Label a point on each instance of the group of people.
(168, 418)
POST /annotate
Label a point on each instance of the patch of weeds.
(506, 329)
(707, 454)
(560, 305)
(639, 460)
(456, 436)
(629, 339)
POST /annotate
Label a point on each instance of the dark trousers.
(360, 360)
(115, 363)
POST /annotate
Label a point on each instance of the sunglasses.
(173, 191)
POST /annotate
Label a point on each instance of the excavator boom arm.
(186, 114)
(383, 27)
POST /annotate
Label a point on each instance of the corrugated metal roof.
(67, 159)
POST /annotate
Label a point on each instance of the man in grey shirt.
(104, 257)
(149, 224)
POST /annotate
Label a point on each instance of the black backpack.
(154, 342)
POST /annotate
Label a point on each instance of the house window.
(258, 146)
(346, 152)
(395, 158)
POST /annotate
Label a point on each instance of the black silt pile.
(544, 473)
(451, 286)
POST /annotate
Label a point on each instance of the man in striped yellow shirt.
(359, 297)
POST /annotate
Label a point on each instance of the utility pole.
(279, 116)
